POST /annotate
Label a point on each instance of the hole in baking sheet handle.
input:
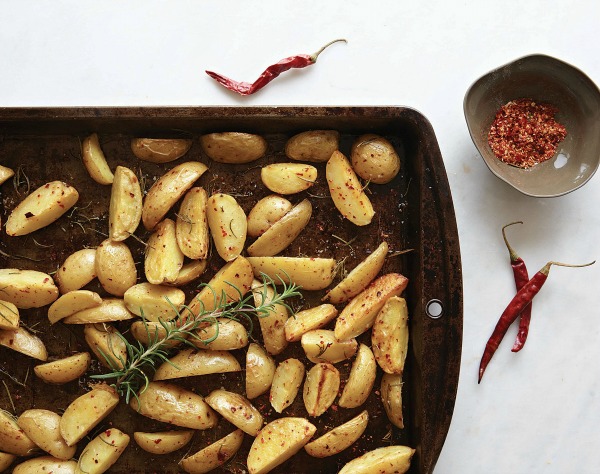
(434, 309)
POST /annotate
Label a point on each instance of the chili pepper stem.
(513, 255)
(314, 56)
(546, 269)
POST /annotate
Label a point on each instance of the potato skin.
(125, 209)
(163, 442)
(115, 267)
(23, 341)
(390, 335)
(391, 397)
(9, 315)
(374, 159)
(286, 383)
(272, 325)
(313, 145)
(64, 370)
(95, 161)
(260, 370)
(164, 259)
(236, 409)
(191, 362)
(160, 150)
(102, 452)
(228, 225)
(339, 438)
(288, 178)
(12, 438)
(192, 225)
(387, 460)
(233, 147)
(266, 212)
(320, 388)
(45, 464)
(43, 428)
(27, 288)
(214, 455)
(78, 270)
(361, 379)
(309, 273)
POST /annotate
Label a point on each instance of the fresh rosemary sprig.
(131, 376)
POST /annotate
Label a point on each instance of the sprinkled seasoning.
(525, 133)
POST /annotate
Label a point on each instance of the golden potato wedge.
(309, 319)
(191, 227)
(272, 324)
(321, 345)
(154, 302)
(95, 161)
(214, 455)
(260, 370)
(9, 315)
(306, 272)
(102, 452)
(236, 409)
(320, 388)
(86, 411)
(228, 225)
(174, 405)
(266, 212)
(125, 208)
(358, 316)
(115, 267)
(283, 232)
(286, 383)
(374, 159)
(347, 191)
(6, 459)
(189, 272)
(42, 427)
(164, 258)
(23, 341)
(150, 332)
(233, 147)
(359, 278)
(12, 437)
(41, 208)
(168, 189)
(340, 438)
(163, 442)
(389, 336)
(387, 460)
(278, 441)
(160, 150)
(223, 334)
(110, 310)
(64, 370)
(5, 174)
(71, 303)
(391, 396)
(27, 288)
(107, 344)
(288, 178)
(77, 271)
(191, 363)
(313, 145)
(45, 464)
(361, 379)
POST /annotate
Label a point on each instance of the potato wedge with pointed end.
(339, 438)
(387, 460)
(374, 159)
(154, 302)
(86, 411)
(71, 303)
(347, 191)
(23, 341)
(115, 267)
(277, 442)
(9, 315)
(189, 272)
(309, 319)
(286, 383)
(110, 310)
(191, 363)
(95, 161)
(168, 189)
(391, 396)
(5, 174)
(272, 324)
(148, 332)
(214, 455)
(12, 437)
(359, 278)
(288, 178)
(233, 276)
(236, 409)
(233, 147)
(27, 288)
(358, 316)
(321, 345)
(47, 464)
(320, 388)
(41, 208)
(6, 460)
(313, 145)
(164, 258)
(306, 272)
(64, 370)
(163, 442)
(107, 344)
(361, 379)
(192, 225)
(175, 405)
(42, 427)
(125, 209)
(77, 271)
(228, 225)
(266, 212)
(160, 150)
(389, 336)
(102, 452)
(226, 335)
(283, 232)
(260, 370)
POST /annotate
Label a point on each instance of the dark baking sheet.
(414, 211)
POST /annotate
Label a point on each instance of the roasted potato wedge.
(228, 225)
(102, 452)
(340, 438)
(160, 150)
(374, 159)
(387, 460)
(309, 319)
(191, 227)
(260, 370)
(389, 336)
(163, 442)
(43, 428)
(64, 370)
(286, 383)
(308, 273)
(233, 147)
(321, 345)
(78, 270)
(6, 459)
(272, 324)
(288, 178)
(71, 303)
(154, 302)
(95, 161)
(224, 334)
(9, 315)
(12, 437)
(115, 267)
(107, 344)
(361, 379)
(214, 455)
(320, 388)
(190, 363)
(189, 272)
(391, 396)
(110, 310)
(23, 341)
(45, 464)
(236, 409)
(27, 288)
(125, 209)
(5, 174)
(149, 332)
(164, 258)
(266, 212)
(313, 145)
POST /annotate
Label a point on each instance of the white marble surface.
(537, 411)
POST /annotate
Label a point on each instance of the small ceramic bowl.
(548, 80)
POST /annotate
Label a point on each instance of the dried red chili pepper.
(293, 62)
(519, 302)
(521, 278)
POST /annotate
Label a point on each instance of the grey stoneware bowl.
(549, 80)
